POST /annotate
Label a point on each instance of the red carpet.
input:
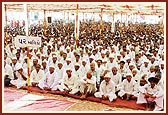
(11, 95)
(21, 101)
(117, 103)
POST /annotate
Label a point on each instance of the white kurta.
(109, 65)
(107, 89)
(156, 91)
(84, 70)
(8, 69)
(89, 83)
(117, 79)
(70, 82)
(77, 73)
(128, 87)
(122, 71)
(36, 77)
(144, 70)
(58, 78)
(99, 71)
(20, 81)
(47, 80)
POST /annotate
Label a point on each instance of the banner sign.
(27, 41)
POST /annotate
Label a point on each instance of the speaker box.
(49, 19)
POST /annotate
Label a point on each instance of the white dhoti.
(111, 96)
(91, 88)
(158, 100)
(18, 83)
(62, 87)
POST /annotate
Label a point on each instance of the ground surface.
(78, 105)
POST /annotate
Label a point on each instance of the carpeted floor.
(117, 103)
(21, 101)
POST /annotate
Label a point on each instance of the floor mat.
(21, 101)
(117, 103)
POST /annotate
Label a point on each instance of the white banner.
(27, 41)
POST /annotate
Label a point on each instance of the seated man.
(20, 77)
(88, 85)
(69, 83)
(107, 89)
(128, 88)
(8, 74)
(47, 81)
(151, 94)
(36, 75)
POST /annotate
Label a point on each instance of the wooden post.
(28, 69)
(101, 23)
(44, 23)
(77, 26)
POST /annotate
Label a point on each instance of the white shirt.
(128, 86)
(49, 79)
(117, 79)
(36, 77)
(71, 82)
(107, 88)
(8, 69)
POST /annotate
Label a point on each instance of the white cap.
(128, 74)
(38, 53)
(146, 60)
(99, 58)
(92, 56)
(6, 73)
(131, 64)
(68, 59)
(108, 75)
(42, 55)
(127, 57)
(14, 58)
(54, 56)
(134, 69)
(118, 54)
(111, 55)
(103, 51)
(77, 64)
(52, 66)
(156, 63)
(68, 47)
(19, 66)
(84, 60)
(59, 62)
(68, 69)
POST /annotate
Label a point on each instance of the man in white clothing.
(107, 89)
(47, 81)
(36, 75)
(69, 83)
(59, 76)
(84, 68)
(88, 85)
(8, 74)
(151, 94)
(128, 88)
(20, 77)
(116, 78)
(76, 71)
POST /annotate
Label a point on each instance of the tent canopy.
(143, 8)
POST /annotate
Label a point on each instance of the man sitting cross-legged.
(88, 85)
(107, 89)
(69, 83)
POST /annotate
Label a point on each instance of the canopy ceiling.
(143, 8)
